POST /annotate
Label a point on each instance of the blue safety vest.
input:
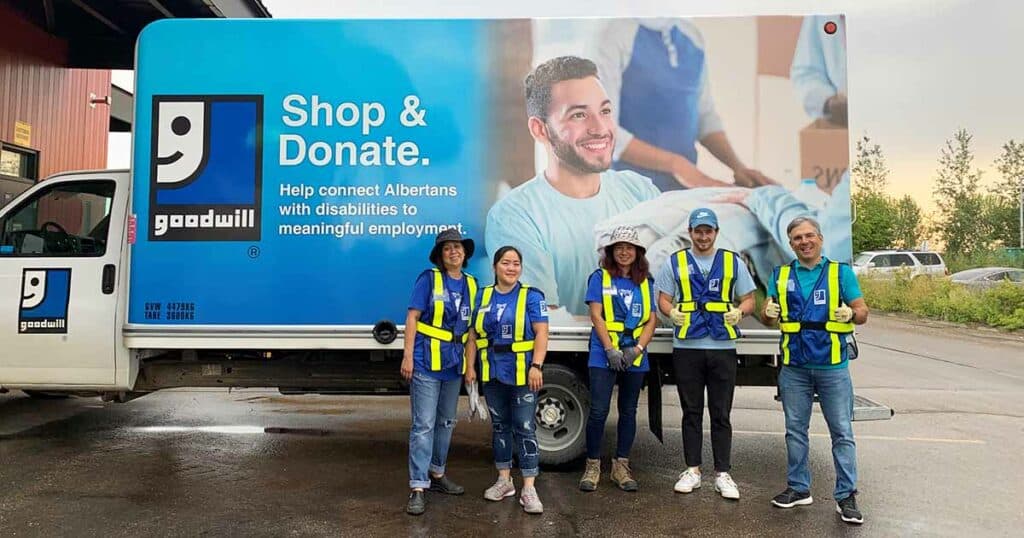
(705, 300)
(504, 356)
(442, 325)
(810, 332)
(625, 329)
(660, 96)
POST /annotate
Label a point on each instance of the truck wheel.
(563, 404)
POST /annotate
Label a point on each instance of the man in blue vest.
(698, 288)
(816, 302)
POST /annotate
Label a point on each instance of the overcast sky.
(918, 70)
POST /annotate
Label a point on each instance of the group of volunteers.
(459, 330)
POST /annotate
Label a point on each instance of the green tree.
(961, 222)
(873, 225)
(906, 223)
(1005, 194)
(869, 171)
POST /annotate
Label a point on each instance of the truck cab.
(62, 260)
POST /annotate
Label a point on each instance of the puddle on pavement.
(231, 430)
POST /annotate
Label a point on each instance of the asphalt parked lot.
(254, 462)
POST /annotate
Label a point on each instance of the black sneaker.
(847, 509)
(417, 503)
(446, 486)
(791, 498)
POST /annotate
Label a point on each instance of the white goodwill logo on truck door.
(45, 294)
(206, 168)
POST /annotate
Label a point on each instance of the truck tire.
(563, 404)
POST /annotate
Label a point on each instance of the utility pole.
(1020, 223)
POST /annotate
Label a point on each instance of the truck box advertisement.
(296, 172)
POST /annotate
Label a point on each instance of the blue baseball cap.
(703, 216)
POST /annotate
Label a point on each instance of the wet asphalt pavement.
(256, 463)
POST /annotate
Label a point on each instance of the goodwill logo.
(206, 168)
(44, 301)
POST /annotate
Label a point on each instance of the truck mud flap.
(867, 409)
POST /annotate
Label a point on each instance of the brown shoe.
(622, 476)
(591, 476)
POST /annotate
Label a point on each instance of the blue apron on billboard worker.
(621, 299)
(816, 302)
(655, 72)
(511, 336)
(434, 361)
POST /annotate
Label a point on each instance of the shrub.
(1001, 306)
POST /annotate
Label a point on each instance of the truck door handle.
(108, 279)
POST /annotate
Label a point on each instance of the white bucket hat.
(624, 234)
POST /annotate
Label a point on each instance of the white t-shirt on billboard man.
(551, 217)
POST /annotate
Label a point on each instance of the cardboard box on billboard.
(824, 153)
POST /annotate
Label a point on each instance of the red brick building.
(55, 92)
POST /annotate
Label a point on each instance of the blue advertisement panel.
(296, 172)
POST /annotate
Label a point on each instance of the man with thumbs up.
(706, 291)
(816, 302)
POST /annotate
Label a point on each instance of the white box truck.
(287, 180)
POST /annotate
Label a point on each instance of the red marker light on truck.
(830, 27)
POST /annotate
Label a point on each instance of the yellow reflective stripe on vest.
(435, 342)
(520, 335)
(729, 271)
(781, 287)
(833, 304)
(482, 342)
(471, 283)
(789, 327)
(717, 307)
(645, 293)
(614, 327)
(837, 327)
(687, 304)
(441, 335)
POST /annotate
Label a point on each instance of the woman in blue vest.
(620, 295)
(436, 349)
(511, 334)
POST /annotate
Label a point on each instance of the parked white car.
(887, 263)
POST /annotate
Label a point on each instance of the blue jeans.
(514, 424)
(602, 381)
(835, 396)
(434, 404)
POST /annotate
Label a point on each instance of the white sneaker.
(689, 480)
(725, 486)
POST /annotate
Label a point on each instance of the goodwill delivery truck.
(288, 178)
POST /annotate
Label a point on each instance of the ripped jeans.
(434, 403)
(513, 420)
